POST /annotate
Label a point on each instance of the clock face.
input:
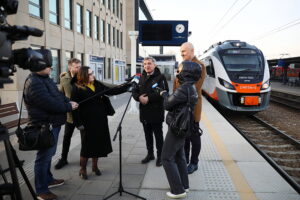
(180, 28)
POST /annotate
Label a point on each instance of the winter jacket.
(198, 84)
(44, 102)
(153, 111)
(190, 73)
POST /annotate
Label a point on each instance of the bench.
(8, 111)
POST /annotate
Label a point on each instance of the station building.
(94, 31)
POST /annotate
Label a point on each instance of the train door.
(210, 79)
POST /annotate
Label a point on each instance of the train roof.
(229, 44)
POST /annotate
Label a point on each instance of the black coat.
(95, 138)
(153, 111)
(44, 102)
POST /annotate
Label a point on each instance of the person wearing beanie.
(45, 105)
(173, 156)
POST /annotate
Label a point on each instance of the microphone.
(136, 79)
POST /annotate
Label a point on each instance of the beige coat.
(198, 85)
(66, 88)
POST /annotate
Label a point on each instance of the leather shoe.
(61, 163)
(158, 162)
(97, 171)
(147, 159)
(191, 168)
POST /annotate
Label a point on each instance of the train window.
(242, 62)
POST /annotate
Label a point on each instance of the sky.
(273, 26)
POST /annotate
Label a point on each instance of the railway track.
(279, 149)
(285, 99)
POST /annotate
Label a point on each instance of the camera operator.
(45, 104)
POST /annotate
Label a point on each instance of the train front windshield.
(242, 60)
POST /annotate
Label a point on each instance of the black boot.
(148, 158)
(158, 161)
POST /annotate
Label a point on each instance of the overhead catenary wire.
(235, 15)
(223, 17)
(278, 29)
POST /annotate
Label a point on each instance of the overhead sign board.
(163, 33)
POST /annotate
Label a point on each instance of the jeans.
(174, 163)
(195, 140)
(42, 166)
(149, 129)
(69, 129)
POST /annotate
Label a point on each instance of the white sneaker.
(187, 190)
(176, 196)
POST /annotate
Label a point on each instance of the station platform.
(229, 168)
(280, 87)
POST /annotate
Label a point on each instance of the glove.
(81, 127)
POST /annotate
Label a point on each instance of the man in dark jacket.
(151, 107)
(66, 87)
(45, 104)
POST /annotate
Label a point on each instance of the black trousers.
(149, 129)
(69, 129)
(195, 140)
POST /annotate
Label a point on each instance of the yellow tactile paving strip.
(238, 179)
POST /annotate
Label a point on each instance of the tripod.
(13, 162)
(119, 130)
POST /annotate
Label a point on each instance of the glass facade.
(96, 27)
(68, 56)
(88, 17)
(35, 8)
(108, 34)
(55, 65)
(68, 14)
(102, 31)
(79, 26)
(53, 11)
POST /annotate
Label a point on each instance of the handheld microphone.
(136, 79)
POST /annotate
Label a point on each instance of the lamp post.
(133, 36)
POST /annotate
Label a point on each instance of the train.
(238, 77)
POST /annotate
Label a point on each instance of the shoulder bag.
(34, 136)
(183, 121)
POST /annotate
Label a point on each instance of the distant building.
(95, 31)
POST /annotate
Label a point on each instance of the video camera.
(25, 58)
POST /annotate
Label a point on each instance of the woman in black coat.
(91, 117)
(173, 156)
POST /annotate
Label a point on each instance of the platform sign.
(119, 71)
(163, 33)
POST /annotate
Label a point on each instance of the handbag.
(183, 121)
(109, 109)
(34, 136)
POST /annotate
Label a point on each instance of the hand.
(81, 127)
(74, 105)
(144, 99)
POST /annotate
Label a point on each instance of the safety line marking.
(238, 179)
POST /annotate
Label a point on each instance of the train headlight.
(226, 84)
(266, 85)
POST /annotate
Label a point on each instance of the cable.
(276, 30)
(232, 17)
(223, 16)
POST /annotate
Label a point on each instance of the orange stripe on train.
(247, 88)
